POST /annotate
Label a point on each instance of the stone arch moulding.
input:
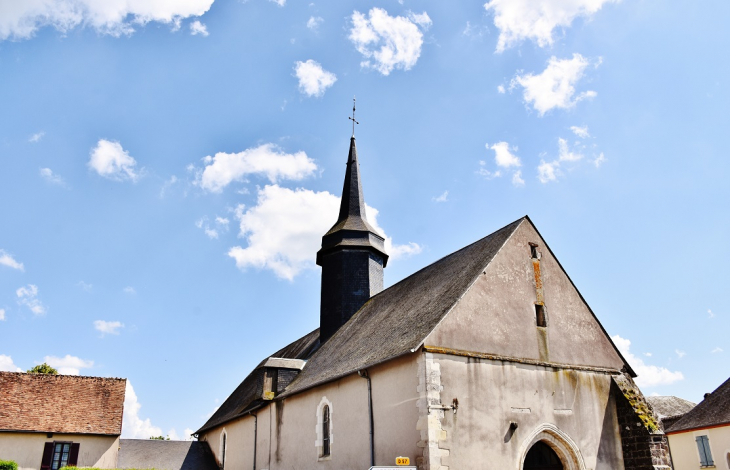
(319, 442)
(560, 442)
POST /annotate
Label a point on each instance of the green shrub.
(8, 465)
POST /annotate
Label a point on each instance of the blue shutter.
(703, 447)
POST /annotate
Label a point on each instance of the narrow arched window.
(223, 453)
(326, 431)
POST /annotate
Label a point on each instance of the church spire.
(352, 255)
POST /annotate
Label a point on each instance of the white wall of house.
(685, 454)
(287, 430)
(26, 449)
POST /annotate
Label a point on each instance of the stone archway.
(558, 442)
(542, 457)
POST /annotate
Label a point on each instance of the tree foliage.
(43, 369)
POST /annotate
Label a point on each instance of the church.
(488, 358)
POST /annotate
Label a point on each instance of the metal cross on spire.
(353, 117)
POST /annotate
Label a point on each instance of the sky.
(167, 170)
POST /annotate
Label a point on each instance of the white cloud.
(517, 179)
(680, 353)
(83, 285)
(555, 86)
(220, 225)
(565, 154)
(38, 135)
(111, 161)
(6, 364)
(167, 185)
(313, 79)
(129, 290)
(68, 365)
(648, 354)
(2, 314)
(196, 27)
(518, 20)
(547, 172)
(266, 159)
(108, 327)
(482, 171)
(647, 375)
(501, 90)
(134, 427)
(598, 161)
(710, 314)
(581, 132)
(28, 296)
(502, 155)
(421, 19)
(285, 228)
(717, 350)
(21, 19)
(281, 3)
(442, 198)
(48, 175)
(314, 22)
(391, 42)
(6, 259)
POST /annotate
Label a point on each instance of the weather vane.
(353, 117)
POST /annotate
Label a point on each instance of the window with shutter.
(47, 455)
(703, 448)
(61, 455)
(73, 458)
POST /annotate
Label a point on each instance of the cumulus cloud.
(2, 314)
(111, 161)
(581, 132)
(388, 42)
(501, 90)
(518, 20)
(647, 375)
(717, 350)
(266, 159)
(313, 79)
(504, 157)
(547, 171)
(133, 426)
(85, 286)
(555, 86)
(38, 135)
(68, 364)
(129, 290)
(219, 225)
(53, 178)
(680, 354)
(28, 296)
(6, 259)
(108, 327)
(710, 314)
(196, 27)
(442, 198)
(598, 161)
(6, 364)
(314, 22)
(281, 3)
(21, 19)
(286, 226)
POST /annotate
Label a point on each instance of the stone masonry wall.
(434, 439)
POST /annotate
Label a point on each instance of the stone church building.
(489, 358)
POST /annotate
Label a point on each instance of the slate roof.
(712, 411)
(397, 320)
(61, 403)
(165, 455)
(246, 397)
(669, 407)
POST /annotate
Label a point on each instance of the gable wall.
(491, 394)
(497, 314)
(287, 430)
(685, 455)
(26, 449)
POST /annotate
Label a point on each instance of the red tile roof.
(61, 403)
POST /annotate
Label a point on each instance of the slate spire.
(352, 256)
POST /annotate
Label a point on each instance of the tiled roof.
(714, 410)
(669, 406)
(61, 403)
(165, 455)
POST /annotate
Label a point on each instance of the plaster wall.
(497, 314)
(287, 429)
(26, 449)
(492, 394)
(685, 455)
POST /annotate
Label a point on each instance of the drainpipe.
(364, 374)
(255, 434)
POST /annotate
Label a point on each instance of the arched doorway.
(542, 457)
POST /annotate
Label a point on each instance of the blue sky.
(167, 170)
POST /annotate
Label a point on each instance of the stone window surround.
(319, 442)
(223, 440)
